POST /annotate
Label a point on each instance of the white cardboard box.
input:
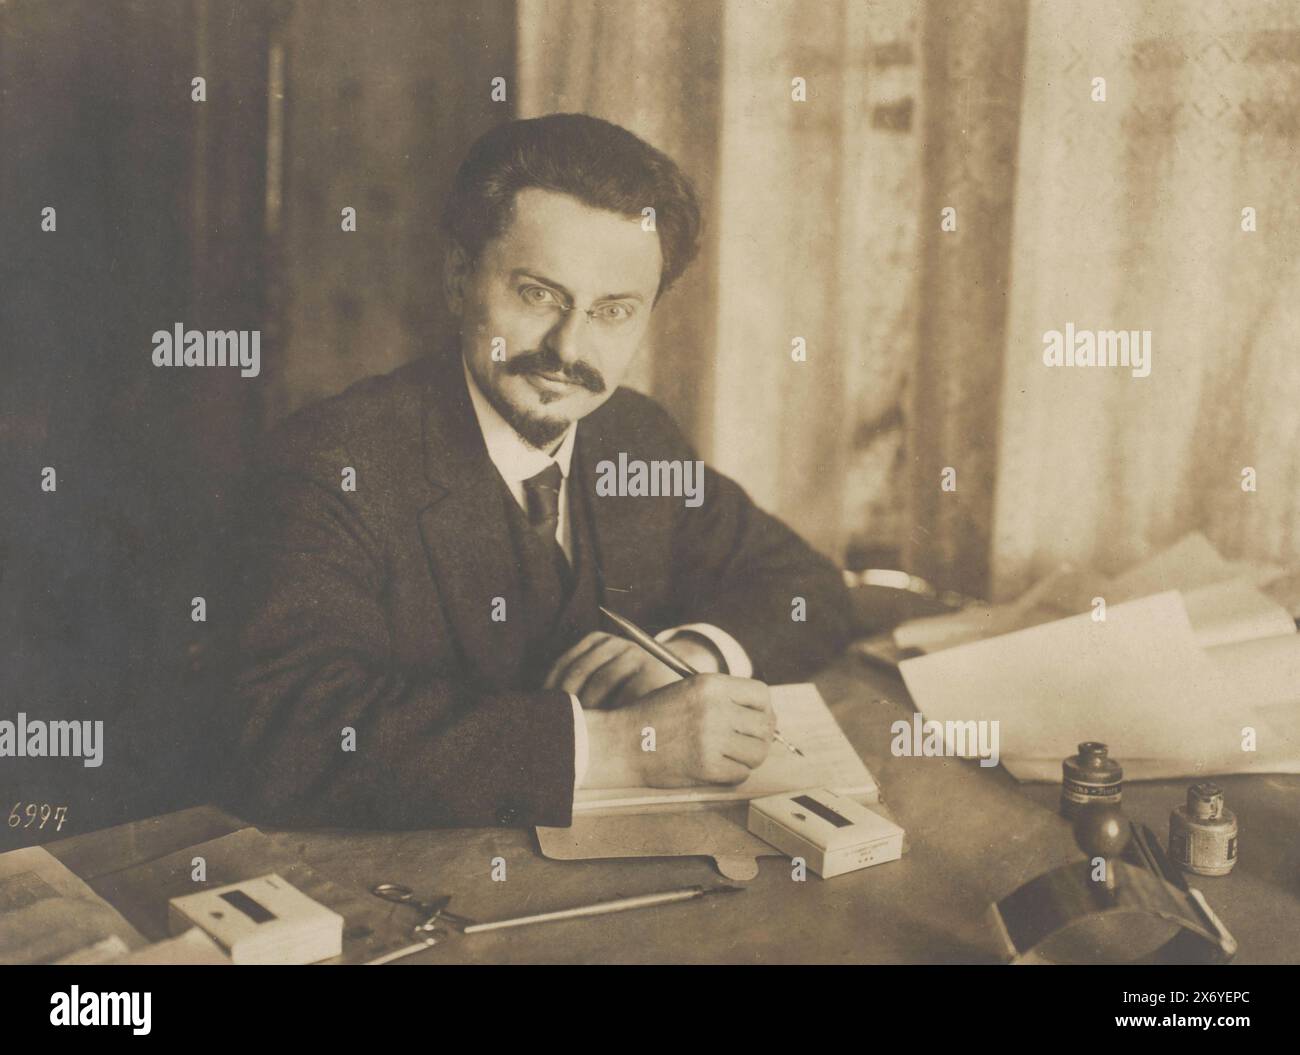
(261, 921)
(832, 833)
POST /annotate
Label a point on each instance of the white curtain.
(812, 216)
(1129, 216)
(924, 348)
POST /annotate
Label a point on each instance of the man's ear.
(455, 274)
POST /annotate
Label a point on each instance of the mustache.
(544, 361)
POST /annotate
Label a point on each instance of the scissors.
(435, 911)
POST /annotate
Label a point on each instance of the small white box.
(261, 921)
(832, 833)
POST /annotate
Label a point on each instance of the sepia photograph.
(675, 482)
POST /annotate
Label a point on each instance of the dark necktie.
(543, 494)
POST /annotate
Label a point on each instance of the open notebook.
(804, 719)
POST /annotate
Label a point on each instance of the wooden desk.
(974, 834)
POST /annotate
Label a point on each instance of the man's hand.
(604, 670)
(709, 729)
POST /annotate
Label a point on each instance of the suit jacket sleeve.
(316, 660)
(741, 569)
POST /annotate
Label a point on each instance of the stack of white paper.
(1187, 682)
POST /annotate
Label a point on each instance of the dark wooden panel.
(378, 112)
(97, 120)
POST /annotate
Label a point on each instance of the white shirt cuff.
(581, 745)
(734, 658)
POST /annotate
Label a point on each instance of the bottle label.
(1206, 851)
(1091, 794)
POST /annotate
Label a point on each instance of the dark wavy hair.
(597, 162)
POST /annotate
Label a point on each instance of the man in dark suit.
(421, 643)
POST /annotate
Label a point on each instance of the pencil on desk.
(601, 908)
(673, 662)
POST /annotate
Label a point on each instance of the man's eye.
(538, 296)
(614, 312)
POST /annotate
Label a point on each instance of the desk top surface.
(975, 835)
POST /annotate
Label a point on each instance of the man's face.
(569, 289)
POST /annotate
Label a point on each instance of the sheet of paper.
(1232, 611)
(1052, 686)
(1067, 591)
(48, 914)
(804, 719)
(1190, 562)
(1225, 600)
(932, 633)
(1138, 682)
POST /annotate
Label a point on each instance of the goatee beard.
(537, 431)
(541, 433)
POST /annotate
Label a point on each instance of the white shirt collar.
(515, 458)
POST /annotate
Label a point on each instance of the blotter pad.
(717, 832)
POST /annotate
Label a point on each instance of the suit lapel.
(467, 537)
(465, 534)
(615, 525)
